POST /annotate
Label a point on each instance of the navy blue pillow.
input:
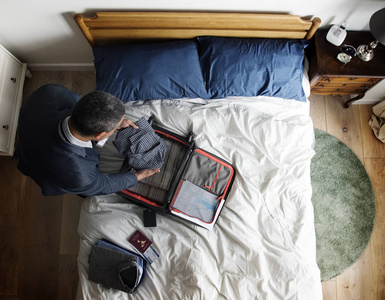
(167, 70)
(253, 67)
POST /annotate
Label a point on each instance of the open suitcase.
(193, 184)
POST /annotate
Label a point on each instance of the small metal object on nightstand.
(346, 54)
(365, 53)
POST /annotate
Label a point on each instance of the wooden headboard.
(111, 28)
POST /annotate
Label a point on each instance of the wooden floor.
(39, 241)
(366, 278)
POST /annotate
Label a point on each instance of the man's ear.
(99, 136)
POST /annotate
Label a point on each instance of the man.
(56, 131)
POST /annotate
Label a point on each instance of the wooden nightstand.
(329, 76)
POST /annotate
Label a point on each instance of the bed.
(263, 243)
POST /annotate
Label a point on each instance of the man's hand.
(125, 123)
(146, 173)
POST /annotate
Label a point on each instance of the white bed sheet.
(263, 245)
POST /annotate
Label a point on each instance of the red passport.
(140, 241)
(143, 245)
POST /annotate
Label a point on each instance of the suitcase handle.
(190, 137)
(151, 120)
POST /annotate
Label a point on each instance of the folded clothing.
(143, 148)
(115, 267)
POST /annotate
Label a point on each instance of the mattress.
(263, 244)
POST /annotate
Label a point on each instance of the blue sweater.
(46, 156)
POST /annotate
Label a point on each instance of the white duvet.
(263, 244)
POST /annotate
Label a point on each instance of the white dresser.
(12, 75)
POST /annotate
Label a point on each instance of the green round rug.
(344, 205)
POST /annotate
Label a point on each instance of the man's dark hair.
(97, 112)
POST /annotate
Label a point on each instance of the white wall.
(43, 32)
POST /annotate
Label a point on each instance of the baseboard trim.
(62, 67)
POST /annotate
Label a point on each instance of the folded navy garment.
(115, 267)
(143, 148)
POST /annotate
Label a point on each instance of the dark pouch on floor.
(193, 184)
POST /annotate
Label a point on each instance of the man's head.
(97, 114)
